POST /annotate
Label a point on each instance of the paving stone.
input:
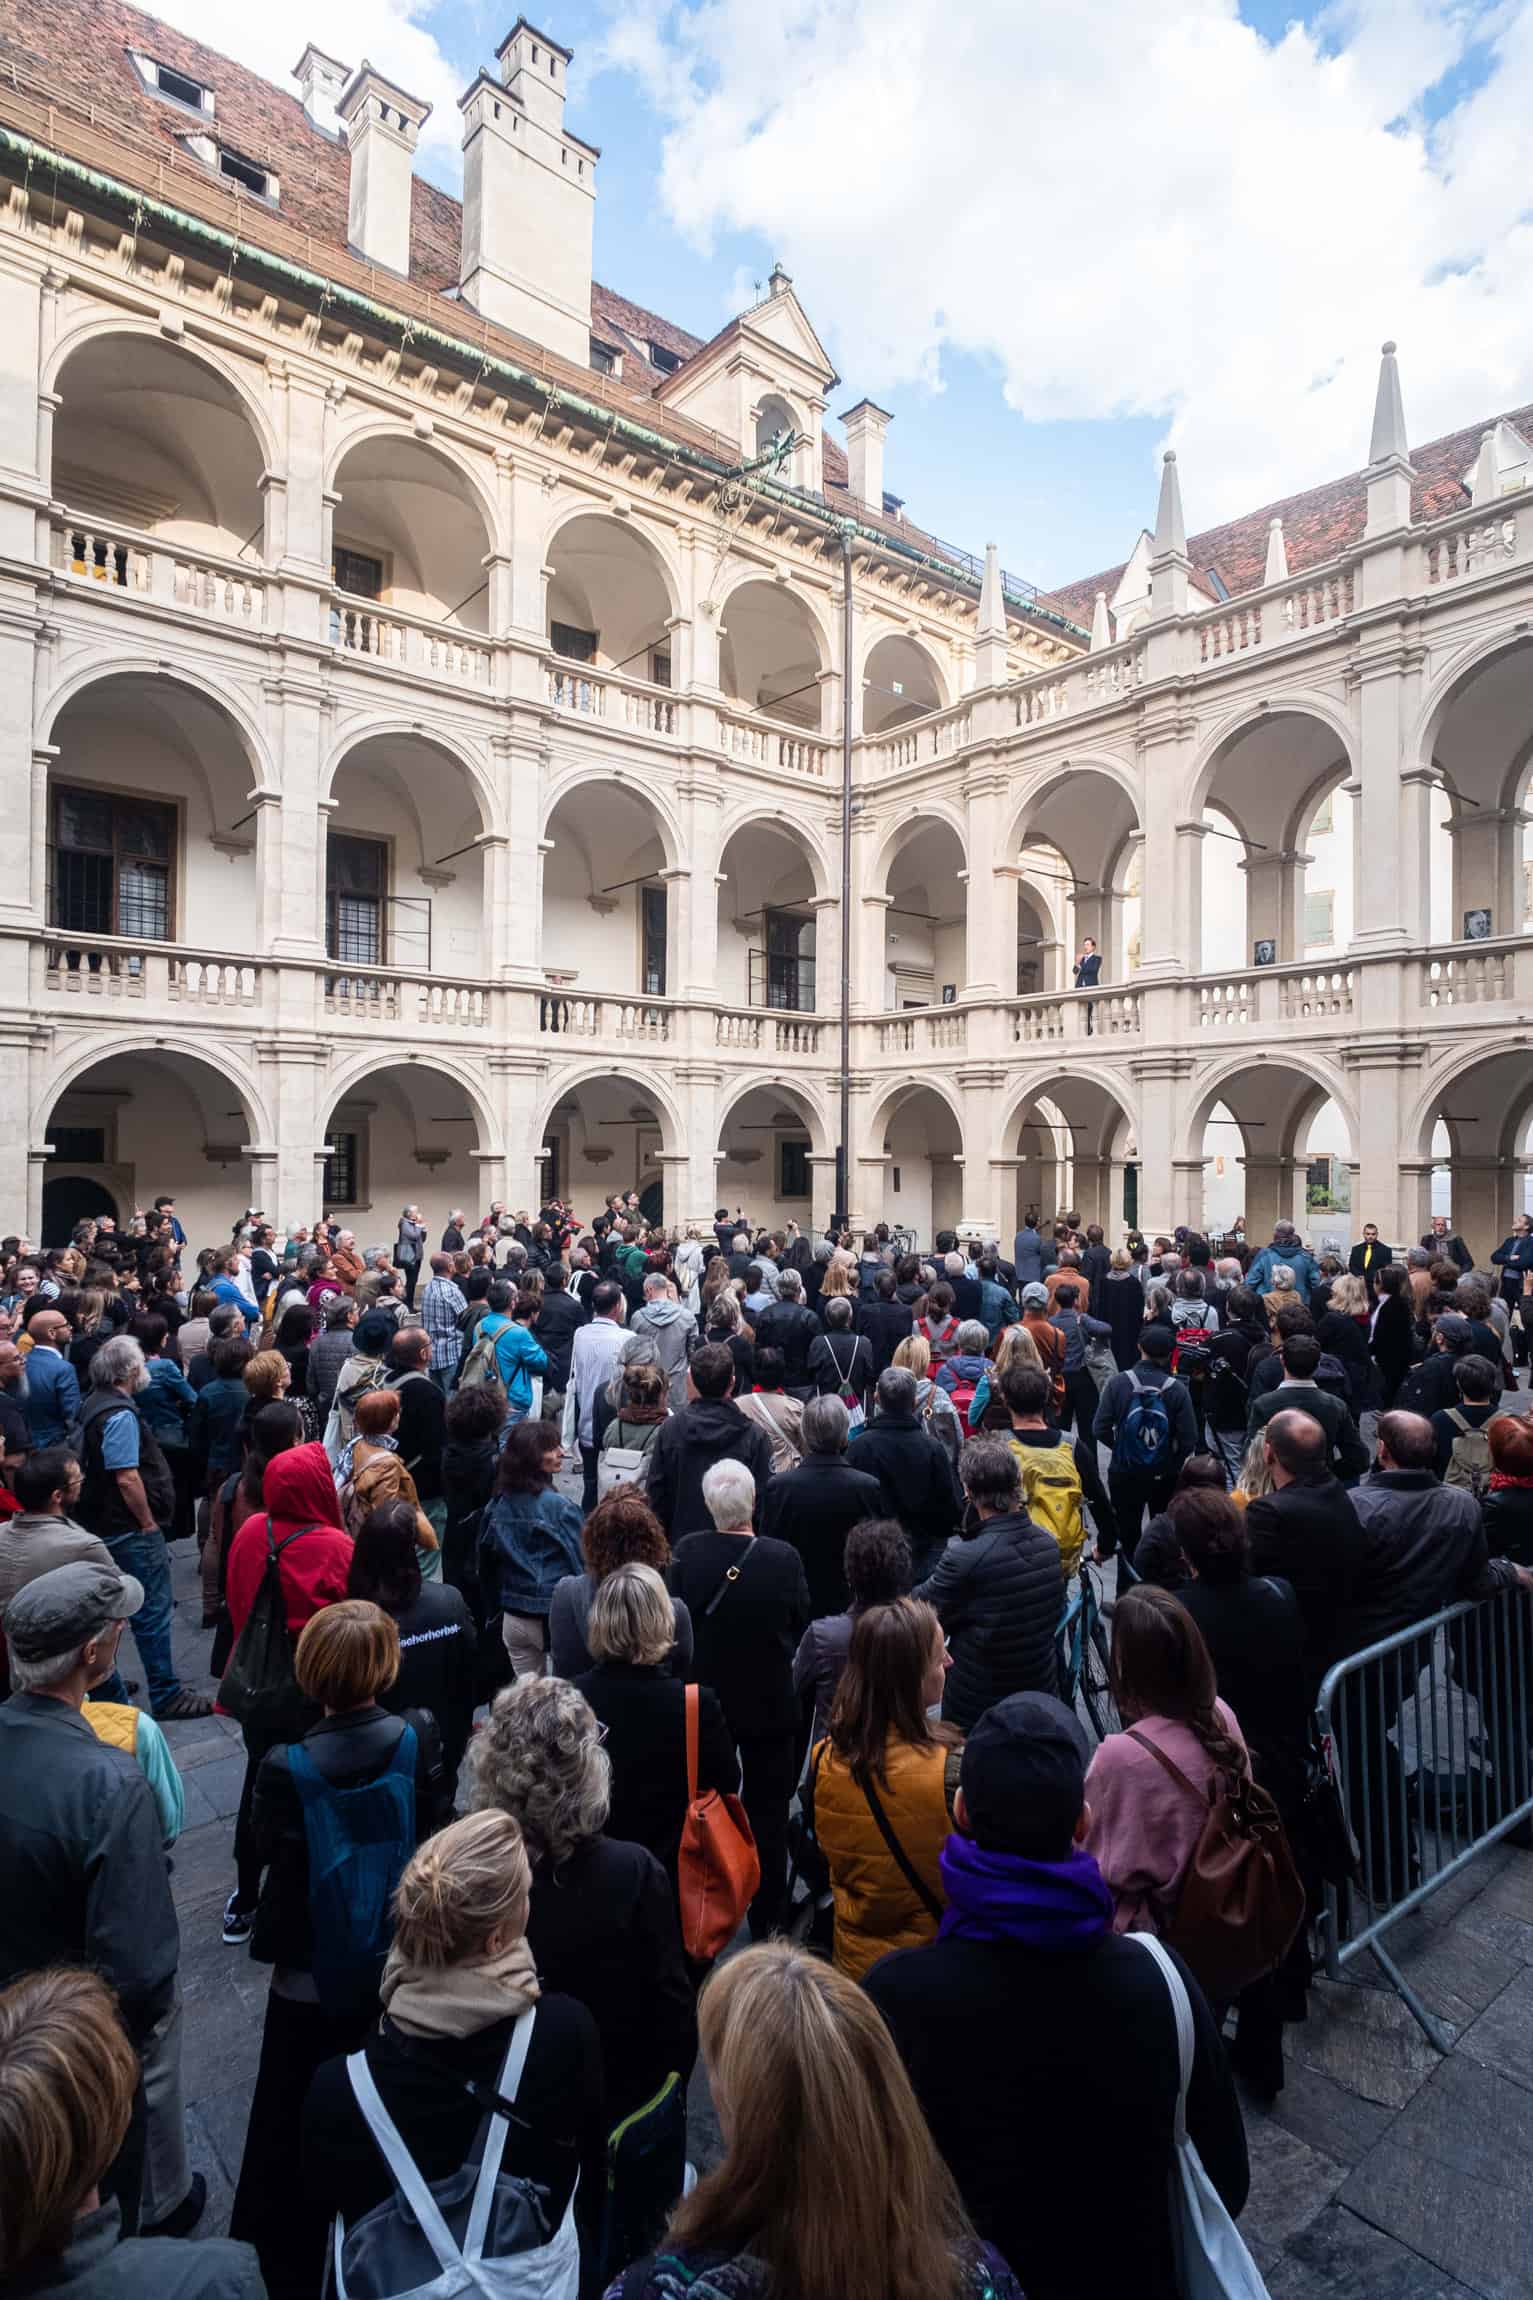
(1510, 1893)
(1325, 2114)
(1339, 2257)
(1500, 2038)
(1365, 2040)
(205, 2156)
(202, 1862)
(1450, 1900)
(1513, 1936)
(1450, 2178)
(1290, 2183)
(198, 1807)
(1454, 1971)
(222, 1781)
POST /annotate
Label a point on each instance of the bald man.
(53, 1391)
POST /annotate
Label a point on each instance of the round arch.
(789, 826)
(636, 533)
(900, 834)
(358, 733)
(1066, 1088)
(373, 1061)
(649, 794)
(803, 1101)
(899, 678)
(231, 373)
(218, 1059)
(377, 430)
(1058, 779)
(204, 687)
(652, 1090)
(776, 645)
(1319, 1084)
(1259, 726)
(887, 1110)
(1451, 682)
(1306, 808)
(1507, 1071)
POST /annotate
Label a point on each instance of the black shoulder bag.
(903, 1862)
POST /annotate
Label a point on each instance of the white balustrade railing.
(1470, 978)
(1315, 991)
(1225, 1005)
(359, 628)
(758, 743)
(561, 1015)
(1088, 685)
(937, 736)
(426, 1001)
(742, 1031)
(196, 583)
(588, 694)
(113, 969)
(793, 1034)
(1038, 1021)
(1470, 548)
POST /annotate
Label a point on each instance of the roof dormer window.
(666, 361)
(179, 87)
(248, 174)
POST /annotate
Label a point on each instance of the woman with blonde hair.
(934, 1408)
(830, 2187)
(461, 1994)
(68, 2076)
(838, 1281)
(1014, 1346)
(1255, 1479)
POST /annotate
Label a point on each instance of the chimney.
(529, 194)
(865, 429)
(382, 124)
(320, 81)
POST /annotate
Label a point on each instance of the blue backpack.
(359, 1840)
(1143, 1441)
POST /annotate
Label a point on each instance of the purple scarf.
(1005, 1897)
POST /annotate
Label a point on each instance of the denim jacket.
(167, 1402)
(529, 1542)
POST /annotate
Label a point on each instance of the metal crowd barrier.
(1429, 1735)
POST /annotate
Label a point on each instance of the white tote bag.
(1211, 2258)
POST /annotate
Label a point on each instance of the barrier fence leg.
(1436, 2034)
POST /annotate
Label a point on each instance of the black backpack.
(260, 1686)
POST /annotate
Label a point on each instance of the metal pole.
(843, 1206)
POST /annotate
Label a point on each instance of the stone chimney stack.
(382, 127)
(529, 195)
(320, 81)
(866, 427)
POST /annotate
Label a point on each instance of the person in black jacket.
(816, 1505)
(1432, 1385)
(998, 1592)
(422, 1426)
(709, 1428)
(788, 1326)
(1300, 1389)
(470, 1459)
(437, 1639)
(1306, 1530)
(630, 1631)
(840, 1359)
(559, 1320)
(912, 1467)
(1006, 2022)
(749, 1603)
(460, 1978)
(347, 1655)
(885, 1320)
(602, 1924)
(1393, 1340)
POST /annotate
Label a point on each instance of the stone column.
(1393, 1183)
(1273, 895)
(1387, 673)
(292, 1072)
(868, 954)
(990, 898)
(1161, 1083)
(27, 284)
(700, 802)
(1484, 1190)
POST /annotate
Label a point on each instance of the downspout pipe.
(843, 1206)
(525, 382)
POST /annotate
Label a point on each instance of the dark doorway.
(71, 1198)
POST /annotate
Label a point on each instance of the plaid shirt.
(440, 1305)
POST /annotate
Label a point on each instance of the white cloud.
(395, 35)
(1142, 208)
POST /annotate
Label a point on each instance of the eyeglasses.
(601, 1733)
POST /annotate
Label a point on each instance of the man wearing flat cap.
(81, 1851)
(1031, 2029)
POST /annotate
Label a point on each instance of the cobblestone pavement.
(1385, 2171)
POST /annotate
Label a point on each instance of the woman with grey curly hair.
(602, 1921)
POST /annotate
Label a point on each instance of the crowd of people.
(519, 1766)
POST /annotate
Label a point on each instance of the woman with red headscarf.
(301, 1516)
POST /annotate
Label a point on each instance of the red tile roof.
(1318, 524)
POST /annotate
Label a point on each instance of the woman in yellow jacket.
(882, 1785)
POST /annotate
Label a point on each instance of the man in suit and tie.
(1370, 1256)
(1088, 973)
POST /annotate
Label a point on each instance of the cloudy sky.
(1052, 240)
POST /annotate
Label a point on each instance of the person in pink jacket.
(1144, 1826)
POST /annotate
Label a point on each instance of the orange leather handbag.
(717, 1870)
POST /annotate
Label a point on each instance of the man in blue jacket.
(1286, 1250)
(518, 1355)
(53, 1387)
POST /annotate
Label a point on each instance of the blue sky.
(1051, 243)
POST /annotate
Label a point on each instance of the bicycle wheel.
(1095, 1686)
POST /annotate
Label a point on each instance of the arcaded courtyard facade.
(425, 690)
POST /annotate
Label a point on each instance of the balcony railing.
(421, 1000)
(195, 582)
(590, 694)
(360, 627)
(936, 736)
(116, 969)
(761, 742)
(629, 1019)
